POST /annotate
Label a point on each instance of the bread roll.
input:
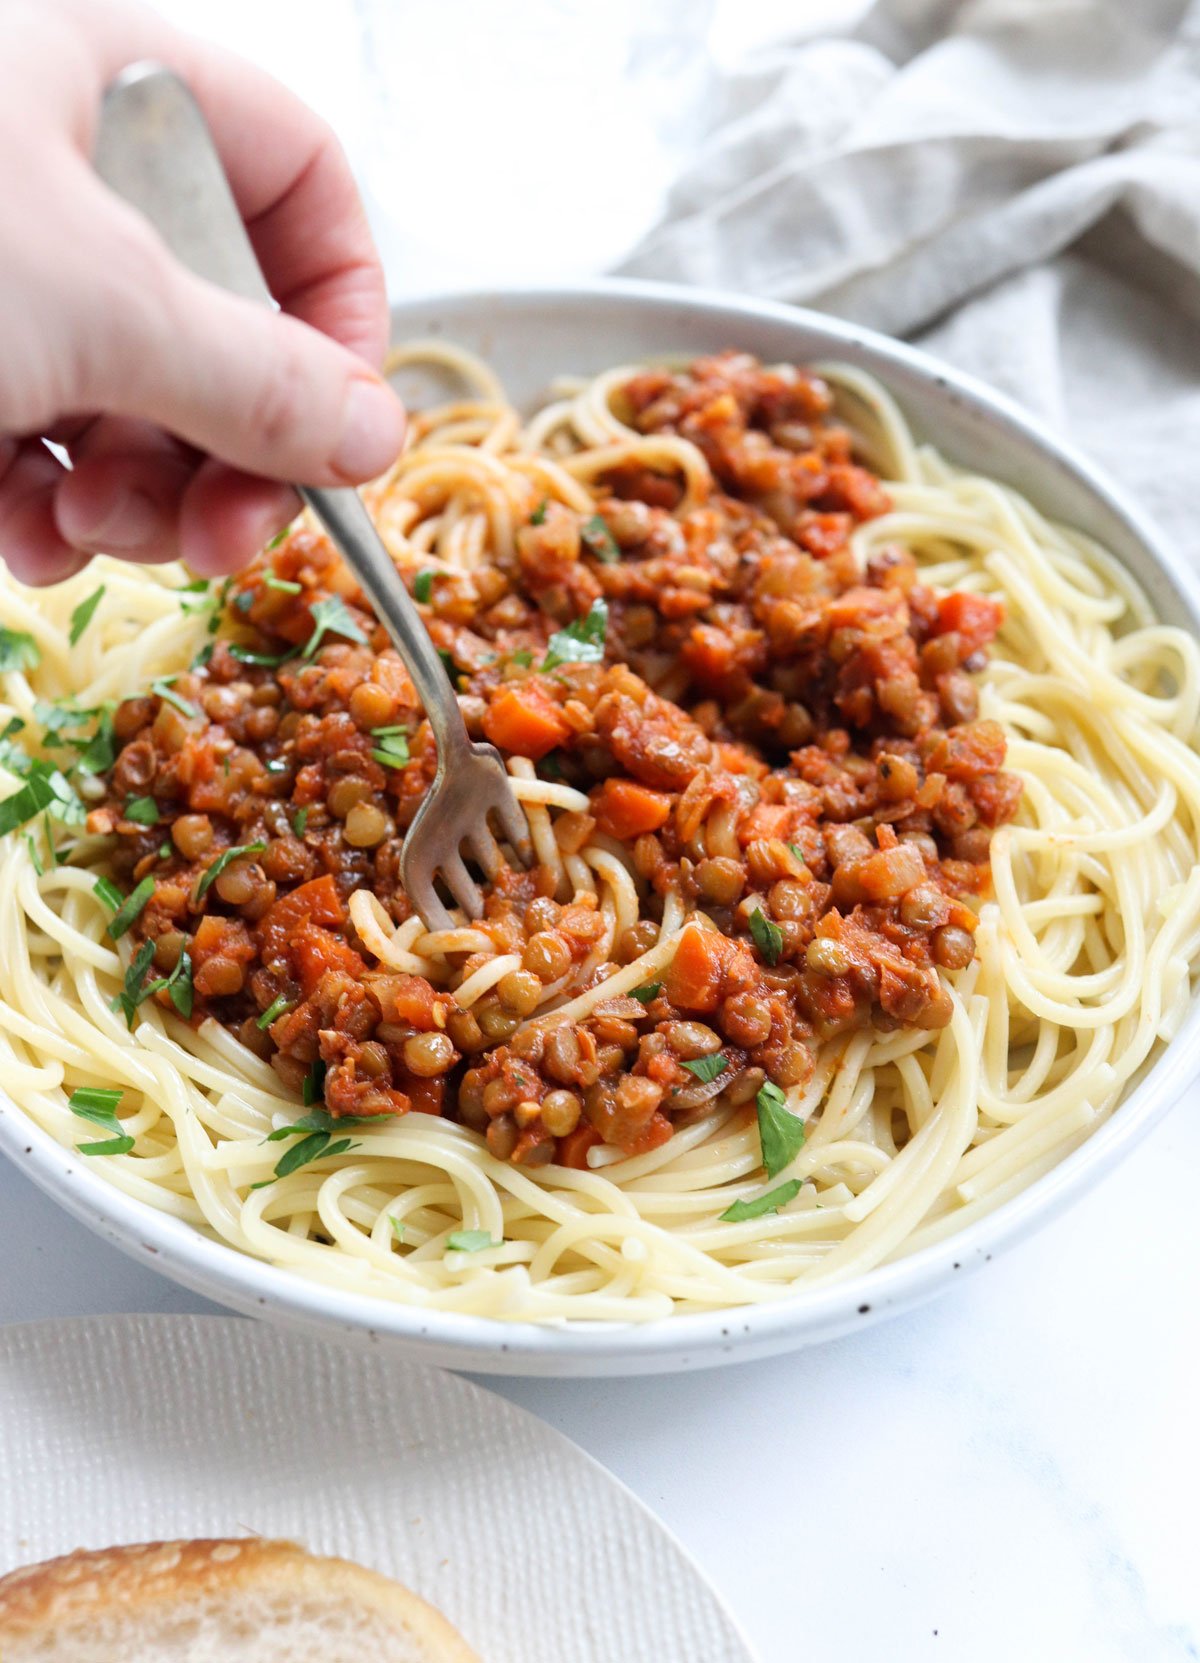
(216, 1602)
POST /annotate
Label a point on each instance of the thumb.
(250, 385)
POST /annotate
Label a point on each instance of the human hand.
(179, 405)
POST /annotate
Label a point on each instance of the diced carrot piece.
(316, 901)
(973, 618)
(623, 808)
(572, 1149)
(416, 1002)
(767, 820)
(525, 721)
(693, 981)
(314, 951)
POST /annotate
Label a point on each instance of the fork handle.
(153, 148)
(343, 514)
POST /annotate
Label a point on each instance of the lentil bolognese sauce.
(865, 813)
(785, 741)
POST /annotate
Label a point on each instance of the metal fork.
(154, 149)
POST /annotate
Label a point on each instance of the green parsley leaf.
(203, 657)
(597, 537)
(132, 993)
(771, 1202)
(162, 686)
(300, 821)
(523, 657)
(780, 1132)
(768, 937)
(581, 642)
(131, 908)
(106, 890)
(448, 664)
(310, 1148)
(244, 600)
(143, 811)
(798, 852)
(397, 1225)
(99, 754)
(98, 1104)
(423, 586)
(313, 1089)
(331, 617)
(18, 650)
(164, 851)
(273, 1012)
(707, 1068)
(278, 538)
(45, 788)
(34, 856)
(645, 994)
(84, 613)
(285, 585)
(538, 517)
(319, 1119)
(266, 660)
(222, 861)
(471, 1241)
(14, 725)
(178, 984)
(392, 750)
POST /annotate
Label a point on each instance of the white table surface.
(1009, 1475)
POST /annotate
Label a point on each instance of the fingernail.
(372, 430)
(133, 522)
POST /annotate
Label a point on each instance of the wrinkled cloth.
(1013, 184)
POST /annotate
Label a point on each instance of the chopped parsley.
(132, 992)
(98, 1104)
(471, 1241)
(315, 1138)
(18, 650)
(581, 642)
(143, 811)
(131, 908)
(162, 686)
(273, 1011)
(278, 537)
(300, 821)
(771, 1202)
(780, 1132)
(599, 539)
(331, 617)
(178, 985)
(84, 613)
(222, 861)
(397, 1225)
(34, 856)
(244, 600)
(707, 1068)
(285, 585)
(313, 1089)
(392, 750)
(523, 657)
(768, 937)
(645, 994)
(423, 586)
(798, 852)
(267, 660)
(106, 890)
(45, 788)
(203, 657)
(99, 754)
(538, 517)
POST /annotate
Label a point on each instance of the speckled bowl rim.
(969, 411)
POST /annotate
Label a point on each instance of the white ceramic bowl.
(530, 337)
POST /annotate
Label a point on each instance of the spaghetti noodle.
(930, 994)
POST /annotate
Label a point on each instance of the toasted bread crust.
(140, 1577)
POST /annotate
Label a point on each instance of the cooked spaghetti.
(865, 815)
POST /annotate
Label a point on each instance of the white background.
(1008, 1476)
